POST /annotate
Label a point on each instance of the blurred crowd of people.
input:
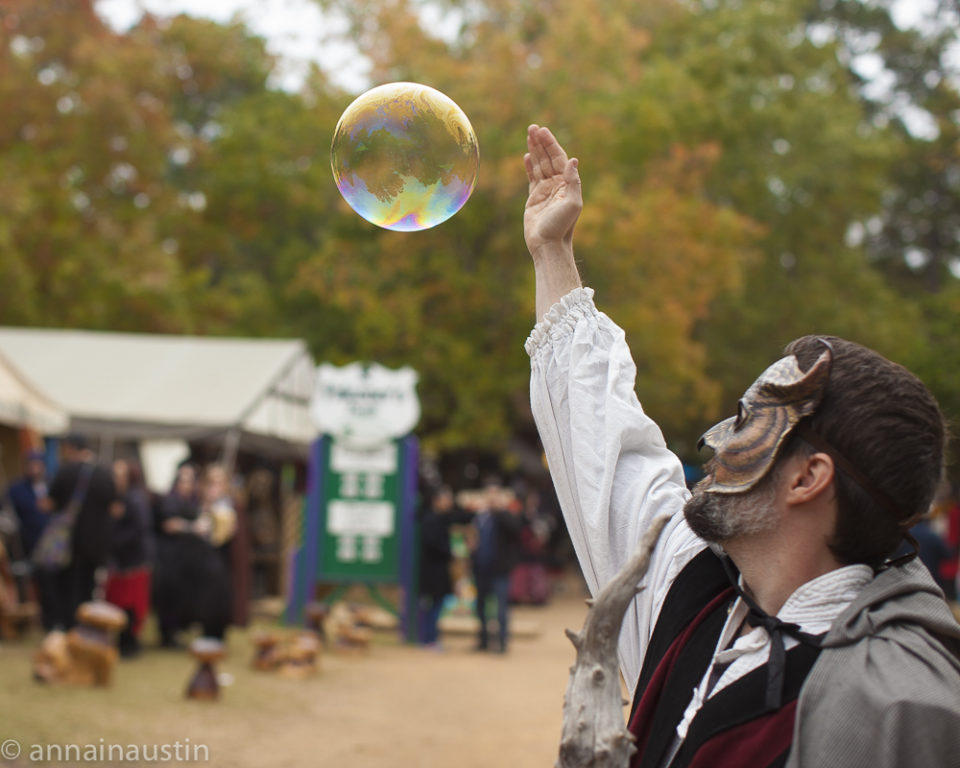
(938, 540)
(139, 551)
(486, 548)
(170, 554)
(509, 535)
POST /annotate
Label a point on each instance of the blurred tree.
(914, 88)
(158, 180)
(913, 234)
(798, 154)
(82, 174)
(249, 166)
(456, 301)
(139, 189)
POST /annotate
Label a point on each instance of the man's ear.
(810, 477)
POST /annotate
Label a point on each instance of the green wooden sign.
(360, 528)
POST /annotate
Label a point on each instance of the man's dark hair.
(885, 422)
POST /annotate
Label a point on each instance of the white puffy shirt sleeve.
(610, 465)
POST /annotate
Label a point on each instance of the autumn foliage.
(158, 180)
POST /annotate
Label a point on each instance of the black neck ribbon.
(757, 617)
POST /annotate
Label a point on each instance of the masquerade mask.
(746, 445)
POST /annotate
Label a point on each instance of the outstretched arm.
(610, 465)
(554, 203)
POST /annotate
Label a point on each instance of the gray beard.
(719, 517)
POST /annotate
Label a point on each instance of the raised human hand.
(554, 200)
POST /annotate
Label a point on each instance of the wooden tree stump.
(87, 654)
(346, 632)
(266, 655)
(203, 685)
(52, 659)
(92, 643)
(315, 618)
(300, 657)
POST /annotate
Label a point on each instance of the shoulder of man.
(889, 697)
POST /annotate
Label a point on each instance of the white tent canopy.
(143, 386)
(23, 405)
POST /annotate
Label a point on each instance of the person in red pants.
(128, 582)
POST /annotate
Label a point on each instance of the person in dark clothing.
(177, 511)
(192, 577)
(216, 527)
(435, 557)
(529, 583)
(62, 590)
(25, 496)
(496, 551)
(933, 551)
(128, 582)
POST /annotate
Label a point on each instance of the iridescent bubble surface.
(405, 156)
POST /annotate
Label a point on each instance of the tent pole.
(231, 444)
(106, 449)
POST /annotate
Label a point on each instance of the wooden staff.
(594, 734)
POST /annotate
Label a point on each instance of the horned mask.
(746, 445)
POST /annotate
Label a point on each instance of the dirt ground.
(398, 705)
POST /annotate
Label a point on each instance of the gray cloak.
(885, 690)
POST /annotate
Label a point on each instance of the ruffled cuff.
(561, 319)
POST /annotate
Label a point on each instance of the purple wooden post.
(307, 557)
(409, 556)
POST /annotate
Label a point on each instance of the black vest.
(735, 727)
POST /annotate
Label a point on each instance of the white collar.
(815, 604)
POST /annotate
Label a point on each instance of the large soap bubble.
(404, 156)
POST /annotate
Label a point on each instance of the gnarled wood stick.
(594, 734)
